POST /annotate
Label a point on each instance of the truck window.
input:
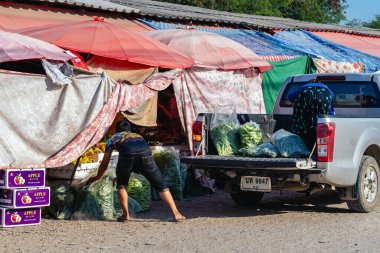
(347, 94)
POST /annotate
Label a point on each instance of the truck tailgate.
(238, 162)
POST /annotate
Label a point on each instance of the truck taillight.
(197, 130)
(325, 142)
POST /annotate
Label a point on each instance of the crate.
(22, 178)
(10, 217)
(25, 198)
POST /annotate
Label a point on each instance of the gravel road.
(284, 222)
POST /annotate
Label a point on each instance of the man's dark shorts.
(140, 163)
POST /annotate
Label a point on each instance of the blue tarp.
(318, 47)
(258, 42)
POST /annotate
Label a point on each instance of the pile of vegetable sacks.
(230, 138)
(174, 175)
(99, 200)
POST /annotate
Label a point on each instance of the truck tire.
(367, 186)
(247, 198)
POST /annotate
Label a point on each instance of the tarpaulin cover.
(328, 66)
(45, 125)
(210, 50)
(107, 40)
(121, 70)
(144, 115)
(258, 42)
(318, 47)
(366, 44)
(201, 90)
(275, 78)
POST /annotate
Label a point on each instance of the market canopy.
(210, 49)
(318, 47)
(104, 39)
(259, 43)
(17, 47)
(366, 44)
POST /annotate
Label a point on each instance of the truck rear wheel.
(247, 198)
(367, 186)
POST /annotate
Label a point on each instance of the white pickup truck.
(347, 147)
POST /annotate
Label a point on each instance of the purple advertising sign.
(20, 217)
(16, 178)
(22, 198)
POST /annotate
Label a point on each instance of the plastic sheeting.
(327, 66)
(366, 44)
(46, 125)
(318, 47)
(201, 90)
(275, 78)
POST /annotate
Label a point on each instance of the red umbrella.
(104, 39)
(17, 47)
(209, 49)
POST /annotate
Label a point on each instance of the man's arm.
(102, 167)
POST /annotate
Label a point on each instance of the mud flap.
(348, 193)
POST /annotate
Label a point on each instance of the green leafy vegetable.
(62, 201)
(250, 134)
(96, 201)
(173, 173)
(226, 138)
(133, 205)
(139, 189)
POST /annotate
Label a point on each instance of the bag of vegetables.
(289, 144)
(96, 201)
(224, 131)
(139, 189)
(133, 205)
(250, 135)
(168, 162)
(62, 201)
(262, 150)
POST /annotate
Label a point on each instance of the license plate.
(258, 184)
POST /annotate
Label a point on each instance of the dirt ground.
(284, 222)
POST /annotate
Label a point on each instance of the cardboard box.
(19, 217)
(25, 198)
(17, 178)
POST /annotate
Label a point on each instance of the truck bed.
(240, 162)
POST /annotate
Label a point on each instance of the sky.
(365, 10)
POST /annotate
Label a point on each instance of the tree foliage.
(374, 23)
(321, 11)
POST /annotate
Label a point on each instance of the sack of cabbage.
(173, 172)
(100, 200)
